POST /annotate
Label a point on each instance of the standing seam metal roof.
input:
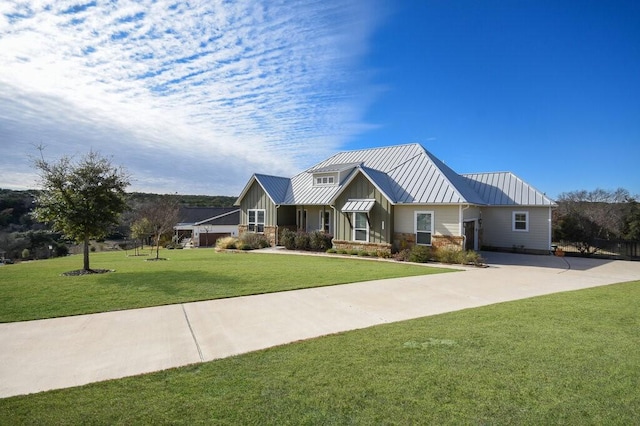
(405, 174)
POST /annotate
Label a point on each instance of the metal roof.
(363, 206)
(404, 174)
(506, 189)
(210, 215)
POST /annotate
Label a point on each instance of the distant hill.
(187, 200)
(16, 206)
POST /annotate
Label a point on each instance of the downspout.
(550, 226)
(276, 237)
(335, 222)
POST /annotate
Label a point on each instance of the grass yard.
(35, 290)
(570, 358)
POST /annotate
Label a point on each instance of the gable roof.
(506, 189)
(404, 174)
(209, 216)
(275, 187)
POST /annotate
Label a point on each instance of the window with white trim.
(424, 228)
(325, 180)
(520, 221)
(360, 227)
(256, 220)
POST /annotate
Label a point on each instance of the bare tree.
(162, 215)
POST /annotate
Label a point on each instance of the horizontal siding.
(446, 219)
(497, 228)
(471, 213)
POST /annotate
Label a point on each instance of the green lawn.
(35, 290)
(570, 358)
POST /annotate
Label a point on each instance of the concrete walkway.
(63, 352)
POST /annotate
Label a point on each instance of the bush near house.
(424, 254)
(313, 241)
(247, 241)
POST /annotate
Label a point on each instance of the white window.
(360, 227)
(325, 221)
(325, 180)
(424, 227)
(256, 220)
(521, 221)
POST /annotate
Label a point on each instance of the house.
(394, 197)
(202, 226)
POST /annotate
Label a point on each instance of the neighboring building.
(398, 196)
(202, 226)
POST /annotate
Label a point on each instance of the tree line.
(585, 218)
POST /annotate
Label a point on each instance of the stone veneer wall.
(357, 245)
(403, 241)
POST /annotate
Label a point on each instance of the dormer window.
(324, 180)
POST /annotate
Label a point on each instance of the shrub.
(320, 241)
(332, 250)
(288, 239)
(302, 241)
(402, 255)
(341, 251)
(252, 241)
(226, 243)
(420, 254)
(471, 257)
(26, 253)
(454, 256)
(447, 255)
(363, 253)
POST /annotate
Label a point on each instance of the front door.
(469, 233)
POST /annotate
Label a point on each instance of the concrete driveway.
(63, 352)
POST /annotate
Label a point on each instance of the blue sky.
(195, 97)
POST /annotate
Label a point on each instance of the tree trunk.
(158, 247)
(86, 253)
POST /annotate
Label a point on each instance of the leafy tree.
(162, 215)
(83, 198)
(631, 229)
(583, 217)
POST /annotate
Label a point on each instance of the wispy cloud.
(191, 97)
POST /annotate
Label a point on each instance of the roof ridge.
(437, 162)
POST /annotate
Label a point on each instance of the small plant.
(363, 253)
(332, 250)
(353, 252)
(341, 251)
(470, 257)
(402, 255)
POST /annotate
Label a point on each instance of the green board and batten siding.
(256, 198)
(362, 188)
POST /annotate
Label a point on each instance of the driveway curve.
(64, 352)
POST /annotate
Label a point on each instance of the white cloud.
(190, 97)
